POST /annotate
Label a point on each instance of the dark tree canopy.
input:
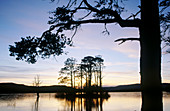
(30, 48)
(69, 17)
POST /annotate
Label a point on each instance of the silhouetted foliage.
(30, 48)
(65, 18)
(90, 66)
(68, 18)
(69, 67)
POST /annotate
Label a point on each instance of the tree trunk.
(81, 78)
(97, 78)
(90, 74)
(150, 46)
(71, 78)
(150, 63)
(74, 80)
(100, 77)
(87, 79)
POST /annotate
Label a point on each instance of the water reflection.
(83, 102)
(120, 101)
(10, 99)
(152, 101)
(36, 104)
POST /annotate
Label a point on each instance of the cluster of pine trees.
(86, 74)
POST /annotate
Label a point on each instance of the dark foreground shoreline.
(21, 88)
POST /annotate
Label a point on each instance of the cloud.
(120, 73)
(108, 64)
(127, 64)
(120, 78)
(15, 69)
(167, 80)
(129, 49)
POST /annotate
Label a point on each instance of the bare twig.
(134, 15)
(106, 30)
(86, 15)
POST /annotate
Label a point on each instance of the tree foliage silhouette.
(88, 67)
(88, 61)
(69, 67)
(53, 41)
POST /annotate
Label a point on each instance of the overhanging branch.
(122, 23)
(126, 39)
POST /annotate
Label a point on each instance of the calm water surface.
(121, 101)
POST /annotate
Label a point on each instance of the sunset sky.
(21, 18)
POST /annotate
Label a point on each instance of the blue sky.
(21, 18)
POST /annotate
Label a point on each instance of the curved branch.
(126, 39)
(86, 15)
(106, 11)
(90, 7)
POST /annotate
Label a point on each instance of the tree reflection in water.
(87, 102)
(152, 101)
(36, 104)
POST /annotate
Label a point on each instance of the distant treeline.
(20, 88)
